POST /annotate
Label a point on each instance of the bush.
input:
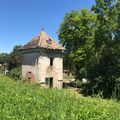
(15, 73)
(116, 91)
(78, 83)
(1, 69)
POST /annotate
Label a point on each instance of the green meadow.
(21, 101)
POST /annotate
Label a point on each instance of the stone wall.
(38, 62)
(47, 71)
(30, 64)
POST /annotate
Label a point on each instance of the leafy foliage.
(16, 73)
(14, 59)
(76, 33)
(92, 42)
(3, 58)
(107, 67)
(20, 101)
(12, 62)
(1, 69)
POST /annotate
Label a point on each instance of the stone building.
(42, 61)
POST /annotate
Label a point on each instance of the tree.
(3, 58)
(76, 34)
(117, 53)
(14, 59)
(92, 42)
(107, 68)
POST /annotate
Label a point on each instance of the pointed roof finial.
(42, 29)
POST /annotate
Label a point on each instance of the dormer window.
(49, 41)
(51, 61)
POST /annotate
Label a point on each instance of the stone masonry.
(42, 61)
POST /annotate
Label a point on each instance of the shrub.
(78, 83)
(15, 73)
(1, 69)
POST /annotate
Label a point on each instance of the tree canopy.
(3, 58)
(14, 59)
(76, 34)
(92, 42)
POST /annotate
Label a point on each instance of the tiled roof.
(42, 40)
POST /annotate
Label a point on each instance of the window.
(49, 82)
(51, 61)
(49, 41)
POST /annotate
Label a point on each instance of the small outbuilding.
(42, 61)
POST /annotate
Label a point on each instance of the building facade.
(42, 61)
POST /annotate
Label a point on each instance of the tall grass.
(20, 101)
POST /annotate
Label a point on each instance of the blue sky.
(21, 20)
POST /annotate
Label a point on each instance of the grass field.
(19, 101)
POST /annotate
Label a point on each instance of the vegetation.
(19, 101)
(76, 34)
(14, 59)
(3, 58)
(16, 73)
(1, 69)
(92, 42)
(12, 62)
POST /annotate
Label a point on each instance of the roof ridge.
(40, 39)
(43, 40)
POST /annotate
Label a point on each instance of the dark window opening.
(49, 82)
(49, 41)
(51, 61)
